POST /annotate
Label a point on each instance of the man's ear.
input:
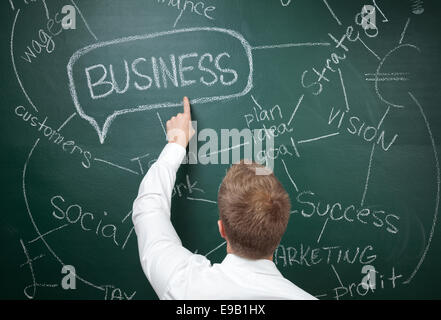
(221, 228)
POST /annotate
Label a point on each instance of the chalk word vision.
(151, 71)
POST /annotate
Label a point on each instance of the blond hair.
(254, 210)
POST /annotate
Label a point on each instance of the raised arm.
(160, 249)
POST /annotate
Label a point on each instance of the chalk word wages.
(53, 27)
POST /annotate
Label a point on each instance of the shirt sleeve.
(160, 249)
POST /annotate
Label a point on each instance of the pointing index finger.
(186, 106)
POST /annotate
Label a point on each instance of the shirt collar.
(264, 266)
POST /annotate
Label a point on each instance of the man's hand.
(179, 128)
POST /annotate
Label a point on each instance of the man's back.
(258, 205)
(235, 278)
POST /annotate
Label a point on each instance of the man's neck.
(230, 251)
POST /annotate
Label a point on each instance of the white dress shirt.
(176, 273)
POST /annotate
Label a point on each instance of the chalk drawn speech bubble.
(101, 120)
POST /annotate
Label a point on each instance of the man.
(254, 211)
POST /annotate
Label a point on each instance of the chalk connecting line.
(295, 110)
(363, 198)
(291, 45)
(66, 122)
(202, 200)
(116, 166)
(318, 138)
(404, 31)
(332, 12)
(344, 89)
(323, 229)
(218, 247)
(48, 232)
(84, 20)
(438, 186)
(289, 176)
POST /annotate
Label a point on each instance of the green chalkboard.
(350, 87)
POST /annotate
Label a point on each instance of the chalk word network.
(156, 77)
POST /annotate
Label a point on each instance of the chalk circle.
(378, 74)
